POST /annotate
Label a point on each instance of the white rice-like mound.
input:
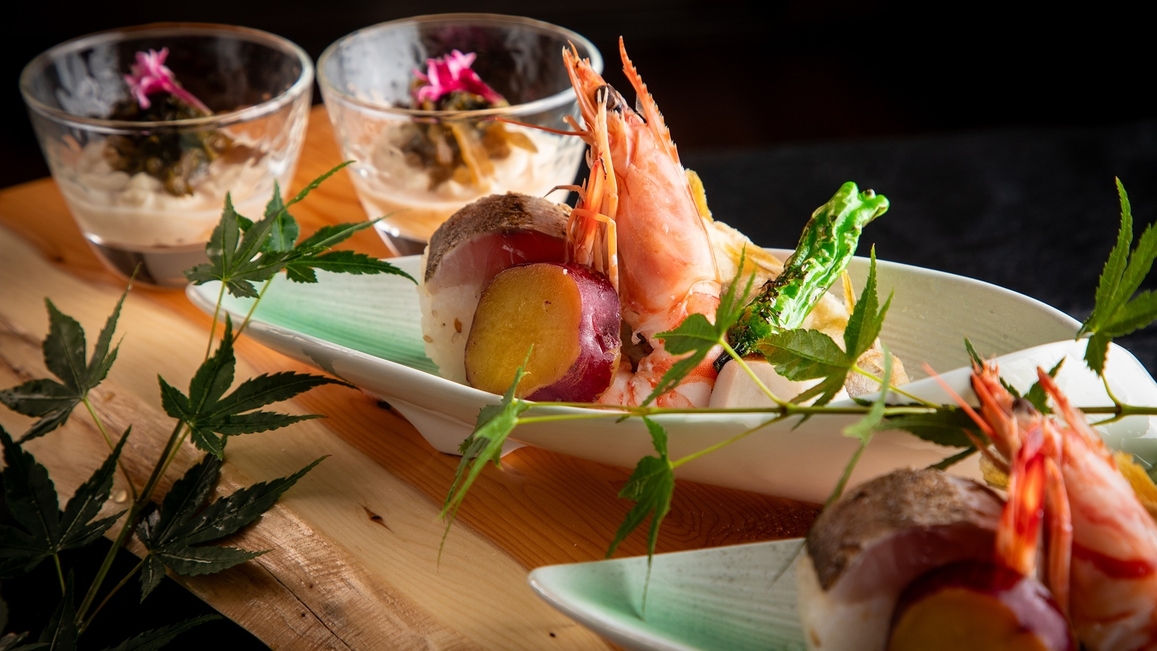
(447, 313)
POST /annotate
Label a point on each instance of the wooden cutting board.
(354, 561)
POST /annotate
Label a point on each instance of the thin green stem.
(252, 309)
(172, 456)
(116, 588)
(751, 374)
(846, 475)
(130, 524)
(892, 388)
(527, 420)
(59, 573)
(111, 446)
(724, 443)
(213, 325)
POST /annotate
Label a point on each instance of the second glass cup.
(417, 167)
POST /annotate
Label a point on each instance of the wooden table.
(355, 543)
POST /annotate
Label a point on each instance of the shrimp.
(1101, 547)
(638, 222)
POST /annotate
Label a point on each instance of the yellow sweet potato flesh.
(533, 308)
(962, 619)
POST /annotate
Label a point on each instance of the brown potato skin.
(502, 332)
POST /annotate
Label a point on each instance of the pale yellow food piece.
(1139, 479)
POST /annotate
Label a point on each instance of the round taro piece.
(467, 251)
(559, 320)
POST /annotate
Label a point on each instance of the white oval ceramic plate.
(365, 329)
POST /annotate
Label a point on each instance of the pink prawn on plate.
(638, 222)
(1101, 545)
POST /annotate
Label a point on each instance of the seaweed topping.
(458, 150)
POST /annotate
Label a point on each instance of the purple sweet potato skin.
(598, 340)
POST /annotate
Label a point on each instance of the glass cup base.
(162, 266)
(400, 244)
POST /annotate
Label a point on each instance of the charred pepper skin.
(825, 248)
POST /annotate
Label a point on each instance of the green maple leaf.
(60, 633)
(865, 428)
(801, 354)
(1119, 308)
(697, 337)
(176, 534)
(301, 268)
(493, 427)
(239, 258)
(243, 252)
(212, 416)
(945, 426)
(43, 530)
(64, 349)
(285, 229)
(651, 487)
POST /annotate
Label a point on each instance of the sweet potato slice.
(567, 315)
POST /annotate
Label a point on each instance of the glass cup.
(366, 78)
(149, 193)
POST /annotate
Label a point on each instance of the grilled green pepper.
(825, 248)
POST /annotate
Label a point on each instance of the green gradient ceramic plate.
(727, 598)
(365, 329)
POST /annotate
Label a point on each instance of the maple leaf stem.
(111, 446)
(847, 474)
(131, 519)
(252, 309)
(81, 626)
(60, 574)
(106, 564)
(213, 323)
(172, 455)
(724, 443)
(892, 388)
(750, 373)
(526, 420)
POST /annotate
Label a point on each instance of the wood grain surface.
(354, 546)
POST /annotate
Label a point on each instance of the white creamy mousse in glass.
(132, 218)
(389, 186)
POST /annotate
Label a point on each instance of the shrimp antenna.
(980, 445)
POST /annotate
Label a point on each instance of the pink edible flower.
(450, 73)
(150, 75)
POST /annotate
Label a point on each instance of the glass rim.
(535, 106)
(103, 125)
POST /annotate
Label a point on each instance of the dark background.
(996, 132)
(732, 73)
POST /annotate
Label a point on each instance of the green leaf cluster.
(493, 427)
(696, 337)
(243, 252)
(179, 533)
(651, 487)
